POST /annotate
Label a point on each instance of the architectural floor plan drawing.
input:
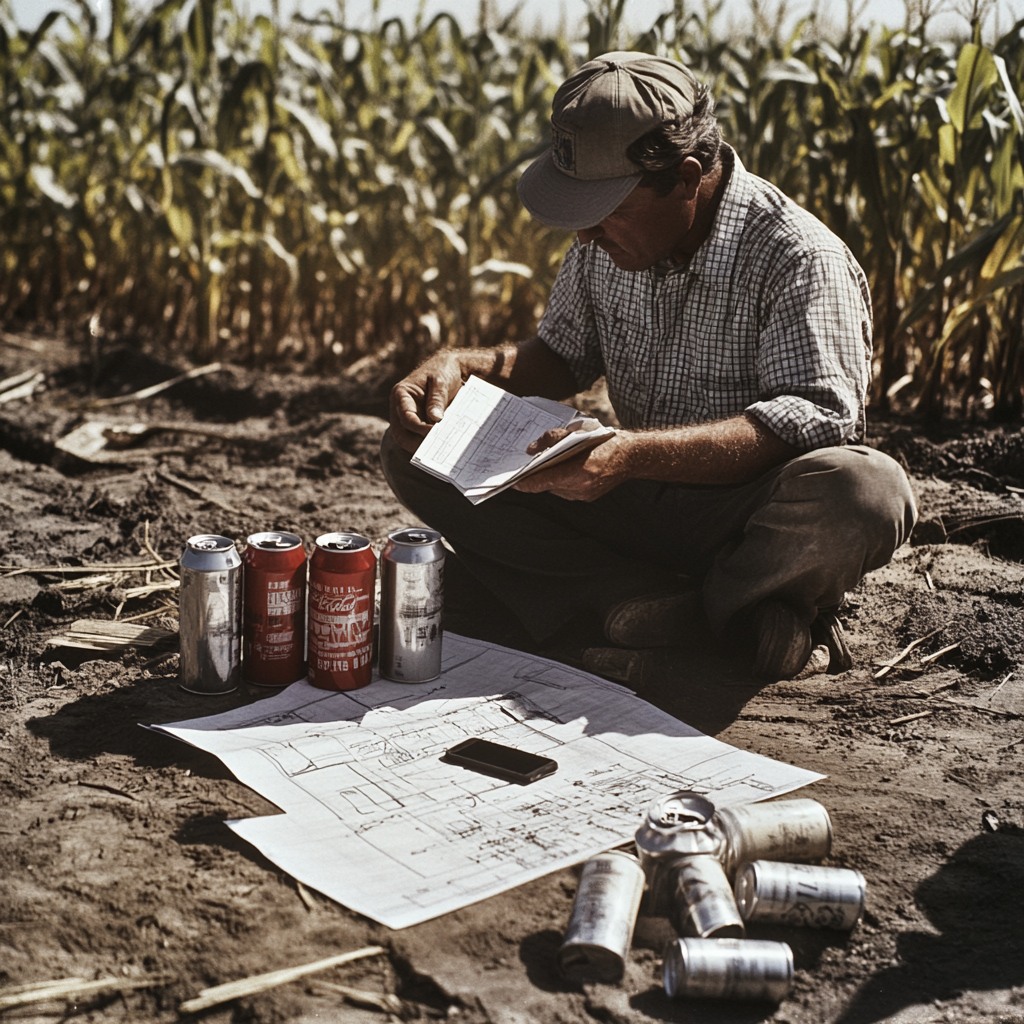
(374, 819)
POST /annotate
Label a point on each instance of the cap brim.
(563, 202)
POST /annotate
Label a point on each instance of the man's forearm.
(728, 451)
(732, 451)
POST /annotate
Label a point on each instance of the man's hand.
(587, 476)
(529, 368)
(419, 401)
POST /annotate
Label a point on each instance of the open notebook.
(480, 445)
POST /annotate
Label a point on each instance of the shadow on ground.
(976, 901)
(703, 686)
(110, 722)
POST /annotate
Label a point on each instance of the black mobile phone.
(500, 761)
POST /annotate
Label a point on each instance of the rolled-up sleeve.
(814, 351)
(568, 327)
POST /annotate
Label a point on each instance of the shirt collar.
(722, 244)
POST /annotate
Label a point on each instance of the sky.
(549, 14)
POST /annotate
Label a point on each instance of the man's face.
(645, 227)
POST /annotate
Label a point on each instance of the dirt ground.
(114, 859)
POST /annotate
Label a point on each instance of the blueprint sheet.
(376, 821)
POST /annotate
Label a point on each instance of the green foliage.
(237, 188)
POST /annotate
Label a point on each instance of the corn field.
(314, 193)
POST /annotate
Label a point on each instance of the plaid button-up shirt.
(771, 316)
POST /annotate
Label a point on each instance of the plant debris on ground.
(114, 860)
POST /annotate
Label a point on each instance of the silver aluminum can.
(785, 830)
(705, 906)
(604, 912)
(678, 825)
(728, 969)
(210, 615)
(411, 605)
(800, 895)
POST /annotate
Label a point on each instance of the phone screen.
(504, 762)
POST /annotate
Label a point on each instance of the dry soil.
(114, 859)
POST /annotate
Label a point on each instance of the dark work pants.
(805, 532)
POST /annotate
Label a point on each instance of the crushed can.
(747, 969)
(800, 895)
(704, 904)
(274, 612)
(782, 830)
(600, 929)
(210, 615)
(342, 572)
(411, 606)
(677, 826)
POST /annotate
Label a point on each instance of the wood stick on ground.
(12, 618)
(32, 986)
(889, 665)
(386, 1002)
(17, 570)
(929, 658)
(1006, 679)
(155, 389)
(25, 390)
(153, 588)
(928, 580)
(18, 378)
(162, 610)
(307, 900)
(74, 988)
(106, 788)
(262, 982)
(88, 582)
(196, 492)
(154, 554)
(910, 718)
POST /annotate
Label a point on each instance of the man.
(734, 331)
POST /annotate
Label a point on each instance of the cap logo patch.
(563, 150)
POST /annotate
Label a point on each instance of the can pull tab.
(341, 545)
(681, 812)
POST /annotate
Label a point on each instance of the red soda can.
(341, 578)
(274, 609)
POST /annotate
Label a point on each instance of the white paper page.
(377, 822)
(557, 450)
(483, 437)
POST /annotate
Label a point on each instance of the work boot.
(658, 618)
(827, 631)
(782, 638)
(639, 670)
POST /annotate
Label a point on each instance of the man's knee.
(859, 489)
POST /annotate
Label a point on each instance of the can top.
(275, 540)
(415, 535)
(682, 811)
(342, 542)
(209, 542)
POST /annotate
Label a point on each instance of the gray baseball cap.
(597, 113)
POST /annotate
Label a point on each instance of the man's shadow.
(702, 685)
(976, 901)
